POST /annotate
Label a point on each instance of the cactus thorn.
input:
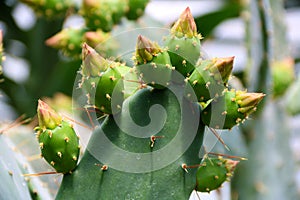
(52, 163)
(41, 145)
(74, 158)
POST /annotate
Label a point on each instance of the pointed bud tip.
(185, 26)
(47, 117)
(146, 49)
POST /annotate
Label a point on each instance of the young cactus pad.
(153, 63)
(213, 172)
(210, 77)
(230, 109)
(58, 141)
(184, 43)
(103, 79)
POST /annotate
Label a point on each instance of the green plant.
(151, 147)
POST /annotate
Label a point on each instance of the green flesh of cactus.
(149, 185)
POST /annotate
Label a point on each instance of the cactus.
(50, 8)
(136, 8)
(213, 172)
(101, 79)
(57, 139)
(103, 14)
(153, 63)
(15, 186)
(283, 75)
(70, 41)
(210, 77)
(117, 153)
(184, 43)
(230, 109)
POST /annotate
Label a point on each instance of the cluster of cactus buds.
(58, 141)
(70, 41)
(51, 8)
(213, 172)
(100, 16)
(103, 14)
(156, 68)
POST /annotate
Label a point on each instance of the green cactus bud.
(101, 78)
(48, 118)
(213, 172)
(49, 8)
(93, 64)
(136, 8)
(103, 14)
(184, 43)
(185, 26)
(210, 77)
(68, 40)
(58, 141)
(230, 109)
(153, 63)
(283, 75)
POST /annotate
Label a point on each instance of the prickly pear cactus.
(136, 8)
(57, 139)
(154, 129)
(213, 172)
